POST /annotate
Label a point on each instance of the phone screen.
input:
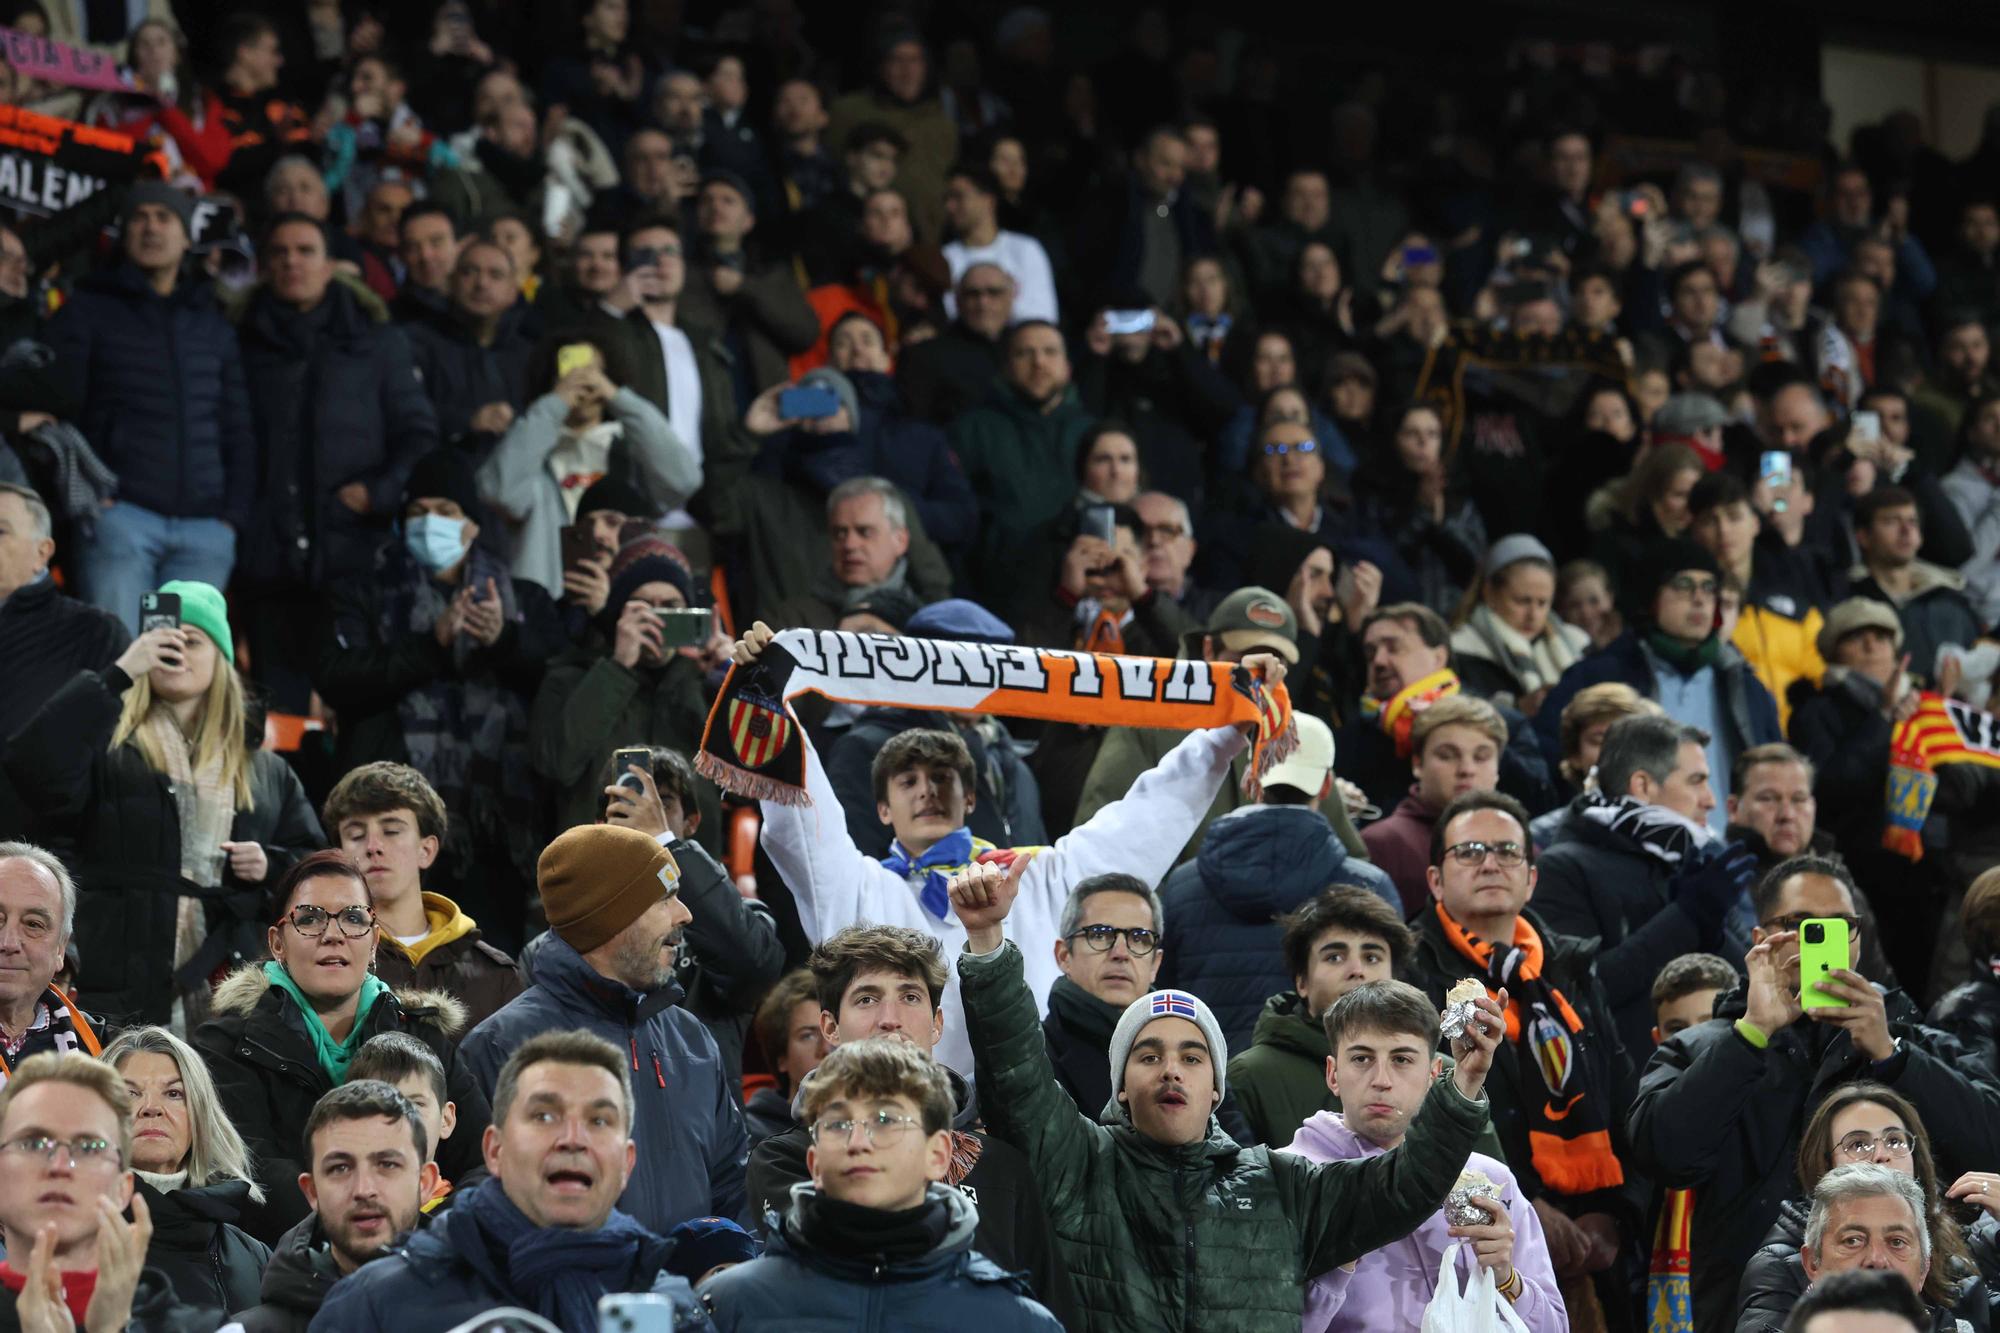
(1775, 468)
(574, 356)
(1867, 426)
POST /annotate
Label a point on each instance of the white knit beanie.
(1165, 1004)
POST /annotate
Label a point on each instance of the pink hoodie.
(1390, 1287)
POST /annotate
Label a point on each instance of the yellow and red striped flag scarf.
(1940, 731)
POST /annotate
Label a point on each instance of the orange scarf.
(1398, 714)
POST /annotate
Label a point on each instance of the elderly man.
(1167, 536)
(544, 1232)
(38, 906)
(1868, 1216)
(943, 376)
(474, 362)
(868, 533)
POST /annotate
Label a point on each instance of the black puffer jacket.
(335, 399)
(212, 1264)
(460, 376)
(113, 819)
(1971, 1013)
(296, 1281)
(269, 1077)
(162, 386)
(1776, 1278)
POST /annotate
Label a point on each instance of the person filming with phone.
(1721, 1106)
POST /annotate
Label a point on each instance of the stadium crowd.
(426, 450)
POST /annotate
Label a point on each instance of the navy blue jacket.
(794, 1285)
(460, 376)
(1256, 864)
(437, 1278)
(1745, 706)
(163, 393)
(693, 1151)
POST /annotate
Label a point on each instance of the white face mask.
(434, 541)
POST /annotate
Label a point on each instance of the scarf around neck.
(1666, 835)
(1533, 663)
(206, 810)
(1398, 714)
(333, 1055)
(558, 1272)
(1680, 656)
(1569, 1132)
(1083, 1013)
(939, 862)
(850, 1231)
(753, 746)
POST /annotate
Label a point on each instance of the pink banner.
(59, 62)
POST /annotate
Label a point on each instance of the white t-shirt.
(683, 399)
(1023, 259)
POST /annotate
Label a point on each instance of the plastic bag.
(1478, 1308)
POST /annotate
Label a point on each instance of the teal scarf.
(333, 1055)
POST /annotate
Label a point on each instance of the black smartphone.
(579, 544)
(622, 762)
(1099, 521)
(159, 610)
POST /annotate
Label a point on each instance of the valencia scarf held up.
(1397, 715)
(1940, 731)
(753, 746)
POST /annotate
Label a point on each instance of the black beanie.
(1678, 555)
(443, 474)
(617, 495)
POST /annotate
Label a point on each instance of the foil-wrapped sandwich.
(1459, 1209)
(1458, 1010)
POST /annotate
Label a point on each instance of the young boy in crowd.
(411, 1068)
(1684, 995)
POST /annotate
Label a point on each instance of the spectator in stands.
(1931, 602)
(1859, 1298)
(888, 983)
(681, 368)
(1635, 864)
(1421, 510)
(367, 1175)
(1964, 369)
(1171, 399)
(473, 362)
(37, 893)
(1967, 273)
(82, 1269)
(392, 824)
(1778, 628)
(1850, 217)
(1166, 534)
(284, 1030)
(412, 1069)
(1456, 745)
(176, 432)
(1718, 1087)
(194, 1170)
(903, 100)
(1337, 940)
(1874, 1217)
(1482, 878)
(612, 896)
(885, 1090)
(807, 172)
(1970, 1010)
(150, 776)
(586, 423)
(1109, 953)
(1100, 1183)
(755, 307)
(427, 241)
(942, 377)
(1140, 230)
(972, 206)
(1977, 501)
(1509, 644)
(545, 1232)
(1682, 664)
(341, 419)
(788, 1032)
(242, 124)
(1686, 990)
(868, 528)
(1773, 813)
(1383, 1038)
(433, 662)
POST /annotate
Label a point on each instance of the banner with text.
(49, 165)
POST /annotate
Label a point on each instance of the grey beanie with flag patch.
(1150, 1008)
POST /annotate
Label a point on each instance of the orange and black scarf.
(1397, 716)
(1569, 1134)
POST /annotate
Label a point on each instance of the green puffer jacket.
(1280, 1082)
(1207, 1235)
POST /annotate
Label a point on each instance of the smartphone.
(578, 545)
(159, 610)
(811, 402)
(1099, 521)
(635, 1312)
(573, 356)
(1822, 949)
(622, 762)
(1518, 248)
(685, 626)
(1867, 427)
(1128, 321)
(1774, 469)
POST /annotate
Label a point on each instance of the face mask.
(436, 542)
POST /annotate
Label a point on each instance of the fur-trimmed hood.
(242, 989)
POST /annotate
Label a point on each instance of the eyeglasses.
(1161, 532)
(1797, 919)
(312, 922)
(1508, 854)
(87, 1150)
(1280, 450)
(1138, 939)
(983, 293)
(1858, 1146)
(1689, 586)
(872, 1127)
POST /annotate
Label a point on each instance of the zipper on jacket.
(633, 1037)
(1187, 1317)
(659, 1073)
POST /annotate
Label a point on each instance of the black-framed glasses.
(1138, 939)
(1794, 920)
(872, 1127)
(1508, 854)
(1860, 1145)
(1161, 532)
(1687, 585)
(312, 922)
(84, 1150)
(1280, 450)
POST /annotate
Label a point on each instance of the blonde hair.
(215, 1150)
(1458, 710)
(79, 1070)
(220, 730)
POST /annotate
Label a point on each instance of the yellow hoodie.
(446, 924)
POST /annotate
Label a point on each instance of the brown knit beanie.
(597, 879)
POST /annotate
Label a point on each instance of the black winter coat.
(335, 400)
(162, 385)
(269, 1077)
(1717, 1115)
(300, 1273)
(1776, 1278)
(112, 818)
(1971, 1012)
(460, 377)
(46, 639)
(213, 1265)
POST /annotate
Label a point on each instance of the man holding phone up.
(1721, 1105)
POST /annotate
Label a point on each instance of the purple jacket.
(1390, 1287)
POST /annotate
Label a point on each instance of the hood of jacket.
(1264, 860)
(1925, 577)
(964, 1098)
(954, 1249)
(190, 1215)
(1285, 1026)
(301, 1270)
(575, 984)
(242, 990)
(1325, 1137)
(444, 924)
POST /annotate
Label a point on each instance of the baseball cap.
(1253, 618)
(1310, 764)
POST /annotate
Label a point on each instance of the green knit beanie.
(202, 607)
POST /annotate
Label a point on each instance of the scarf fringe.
(751, 786)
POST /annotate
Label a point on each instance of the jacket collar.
(575, 984)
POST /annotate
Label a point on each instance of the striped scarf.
(1398, 714)
(1940, 731)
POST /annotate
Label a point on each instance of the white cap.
(1311, 763)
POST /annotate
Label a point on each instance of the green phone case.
(1817, 959)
